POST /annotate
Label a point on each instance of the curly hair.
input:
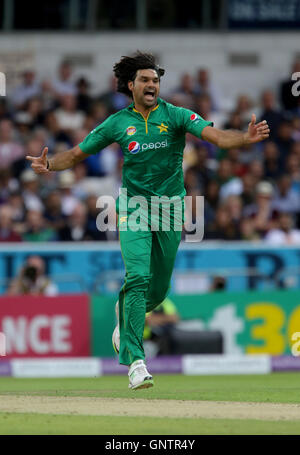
(125, 70)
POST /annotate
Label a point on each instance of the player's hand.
(257, 132)
(39, 164)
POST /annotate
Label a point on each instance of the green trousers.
(149, 259)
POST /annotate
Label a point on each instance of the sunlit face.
(145, 88)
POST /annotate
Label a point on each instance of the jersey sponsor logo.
(134, 147)
(131, 130)
(155, 145)
(194, 117)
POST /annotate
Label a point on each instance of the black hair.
(125, 70)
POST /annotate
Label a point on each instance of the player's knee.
(138, 280)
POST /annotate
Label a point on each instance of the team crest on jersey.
(131, 130)
(194, 117)
(163, 128)
(134, 147)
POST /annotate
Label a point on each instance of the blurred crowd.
(250, 194)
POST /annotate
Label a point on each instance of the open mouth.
(149, 95)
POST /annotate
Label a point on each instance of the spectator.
(293, 170)
(181, 100)
(68, 117)
(201, 169)
(296, 128)
(244, 107)
(286, 199)
(186, 85)
(56, 135)
(191, 181)
(28, 88)
(211, 200)
(37, 230)
(261, 211)
(76, 228)
(32, 280)
(7, 185)
(4, 110)
(285, 234)
(248, 231)
(204, 107)
(92, 214)
(158, 326)
(295, 148)
(284, 140)
(218, 283)
(185, 91)
(7, 233)
(10, 149)
(234, 205)
(105, 163)
(69, 201)
(233, 186)
(256, 169)
(271, 164)
(113, 100)
(18, 211)
(64, 83)
(98, 113)
(248, 190)
(223, 227)
(33, 148)
(224, 173)
(235, 121)
(30, 190)
(204, 86)
(83, 98)
(35, 113)
(53, 211)
(269, 113)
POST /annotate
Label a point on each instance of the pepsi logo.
(134, 147)
(194, 117)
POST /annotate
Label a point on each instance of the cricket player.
(151, 134)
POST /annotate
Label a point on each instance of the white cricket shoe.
(139, 377)
(116, 332)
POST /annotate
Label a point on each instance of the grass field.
(195, 405)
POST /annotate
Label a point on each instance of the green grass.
(39, 424)
(272, 388)
(275, 388)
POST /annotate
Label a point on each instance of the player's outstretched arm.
(230, 138)
(60, 162)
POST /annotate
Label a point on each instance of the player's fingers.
(253, 119)
(261, 127)
(264, 131)
(263, 123)
(40, 169)
(44, 153)
(30, 158)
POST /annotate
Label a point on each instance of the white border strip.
(71, 367)
(226, 364)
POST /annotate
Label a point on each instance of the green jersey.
(152, 147)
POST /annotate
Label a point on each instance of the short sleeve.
(98, 139)
(192, 122)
